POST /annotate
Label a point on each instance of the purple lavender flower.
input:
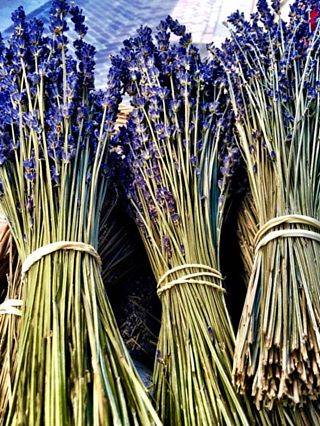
(78, 19)
(167, 79)
(166, 244)
(58, 23)
(29, 166)
(68, 117)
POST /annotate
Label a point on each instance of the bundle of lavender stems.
(72, 366)
(66, 156)
(273, 74)
(175, 160)
(247, 229)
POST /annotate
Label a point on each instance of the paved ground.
(7, 6)
(111, 21)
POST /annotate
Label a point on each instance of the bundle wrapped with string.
(175, 159)
(115, 249)
(248, 228)
(273, 73)
(72, 366)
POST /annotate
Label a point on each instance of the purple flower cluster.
(269, 54)
(47, 92)
(265, 43)
(180, 109)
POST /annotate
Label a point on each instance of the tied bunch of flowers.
(115, 249)
(298, 415)
(72, 366)
(274, 80)
(175, 159)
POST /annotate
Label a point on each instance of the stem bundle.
(177, 158)
(247, 230)
(72, 365)
(273, 70)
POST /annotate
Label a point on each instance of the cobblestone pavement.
(112, 21)
(7, 6)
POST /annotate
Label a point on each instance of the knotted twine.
(9, 306)
(263, 237)
(267, 234)
(165, 283)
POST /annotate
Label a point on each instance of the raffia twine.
(166, 282)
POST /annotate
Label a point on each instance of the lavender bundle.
(308, 414)
(72, 366)
(177, 156)
(273, 71)
(115, 251)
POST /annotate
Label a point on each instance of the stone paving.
(112, 21)
(7, 6)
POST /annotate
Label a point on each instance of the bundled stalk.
(273, 71)
(309, 414)
(72, 366)
(115, 250)
(176, 160)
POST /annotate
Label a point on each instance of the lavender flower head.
(180, 114)
(267, 52)
(49, 108)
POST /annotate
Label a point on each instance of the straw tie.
(10, 307)
(43, 251)
(165, 283)
(266, 233)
